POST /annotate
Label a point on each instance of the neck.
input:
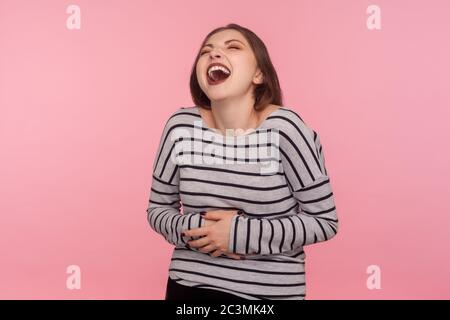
(234, 115)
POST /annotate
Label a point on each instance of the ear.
(259, 77)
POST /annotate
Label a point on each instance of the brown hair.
(268, 92)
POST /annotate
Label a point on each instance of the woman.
(251, 177)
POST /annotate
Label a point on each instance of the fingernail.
(183, 234)
(203, 213)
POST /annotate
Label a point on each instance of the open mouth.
(217, 74)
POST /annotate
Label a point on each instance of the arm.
(316, 221)
(163, 212)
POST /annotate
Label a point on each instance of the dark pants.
(176, 291)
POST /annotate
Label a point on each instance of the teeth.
(213, 68)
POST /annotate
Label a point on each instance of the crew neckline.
(254, 130)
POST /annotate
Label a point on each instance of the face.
(237, 56)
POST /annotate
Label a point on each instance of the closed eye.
(230, 47)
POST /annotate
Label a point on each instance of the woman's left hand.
(215, 235)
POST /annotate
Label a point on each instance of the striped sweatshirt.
(275, 174)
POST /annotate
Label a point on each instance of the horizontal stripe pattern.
(285, 208)
(304, 167)
(251, 279)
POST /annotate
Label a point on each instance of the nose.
(215, 53)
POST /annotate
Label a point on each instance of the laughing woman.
(250, 175)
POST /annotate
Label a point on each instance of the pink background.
(81, 113)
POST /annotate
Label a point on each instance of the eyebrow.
(226, 42)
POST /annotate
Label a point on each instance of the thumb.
(213, 215)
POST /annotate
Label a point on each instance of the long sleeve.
(316, 221)
(163, 211)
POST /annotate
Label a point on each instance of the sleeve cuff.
(232, 245)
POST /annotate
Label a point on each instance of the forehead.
(224, 35)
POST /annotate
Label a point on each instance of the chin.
(216, 97)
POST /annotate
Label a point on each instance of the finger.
(197, 232)
(209, 222)
(199, 242)
(207, 249)
(235, 256)
(217, 253)
(213, 215)
(230, 255)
